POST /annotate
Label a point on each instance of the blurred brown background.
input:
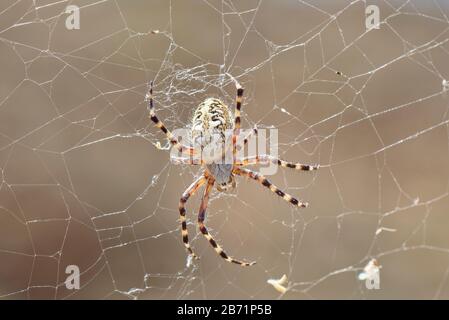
(83, 183)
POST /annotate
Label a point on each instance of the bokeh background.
(86, 179)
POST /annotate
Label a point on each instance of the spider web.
(86, 178)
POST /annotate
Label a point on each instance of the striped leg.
(264, 159)
(238, 107)
(253, 132)
(237, 120)
(175, 143)
(266, 183)
(240, 145)
(245, 141)
(182, 211)
(203, 229)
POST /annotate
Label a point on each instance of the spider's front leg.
(253, 132)
(205, 232)
(264, 159)
(266, 183)
(158, 123)
(239, 147)
(237, 120)
(182, 211)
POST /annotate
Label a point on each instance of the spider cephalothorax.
(211, 124)
(222, 173)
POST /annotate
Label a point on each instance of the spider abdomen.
(211, 132)
(212, 115)
(211, 121)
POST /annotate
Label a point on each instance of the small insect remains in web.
(213, 115)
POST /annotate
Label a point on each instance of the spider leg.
(181, 148)
(238, 107)
(264, 159)
(266, 183)
(237, 120)
(182, 211)
(254, 131)
(241, 145)
(203, 229)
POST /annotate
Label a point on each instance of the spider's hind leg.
(207, 235)
(182, 212)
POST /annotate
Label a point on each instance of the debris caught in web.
(384, 229)
(370, 270)
(279, 284)
(189, 261)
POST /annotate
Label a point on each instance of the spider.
(212, 114)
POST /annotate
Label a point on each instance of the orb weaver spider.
(212, 114)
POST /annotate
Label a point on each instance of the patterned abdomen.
(211, 126)
(212, 115)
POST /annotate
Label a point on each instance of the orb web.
(86, 178)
